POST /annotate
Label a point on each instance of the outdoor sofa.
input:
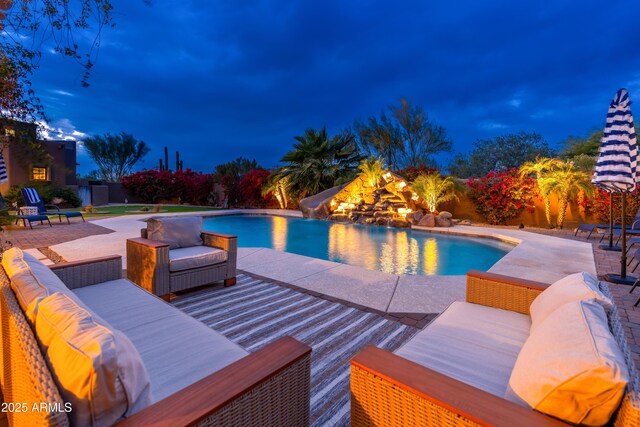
(78, 336)
(561, 355)
(174, 254)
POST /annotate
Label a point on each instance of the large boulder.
(428, 220)
(415, 217)
(443, 221)
(399, 223)
(445, 214)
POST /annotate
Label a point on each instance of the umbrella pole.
(610, 246)
(622, 278)
(610, 219)
(623, 258)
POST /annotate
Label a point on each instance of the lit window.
(9, 131)
(39, 174)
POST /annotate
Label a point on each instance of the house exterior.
(25, 164)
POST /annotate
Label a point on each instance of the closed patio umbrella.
(616, 169)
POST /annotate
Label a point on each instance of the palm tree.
(565, 181)
(317, 161)
(278, 186)
(538, 167)
(434, 189)
(372, 168)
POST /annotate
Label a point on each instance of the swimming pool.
(397, 251)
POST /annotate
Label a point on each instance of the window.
(39, 174)
(9, 131)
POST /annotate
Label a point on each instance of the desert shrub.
(410, 173)
(501, 196)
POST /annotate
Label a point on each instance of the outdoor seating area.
(167, 368)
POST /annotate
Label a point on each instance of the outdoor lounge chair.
(33, 199)
(30, 218)
(590, 228)
(174, 254)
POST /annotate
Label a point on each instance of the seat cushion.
(575, 287)
(194, 257)
(571, 367)
(97, 369)
(177, 232)
(31, 280)
(472, 343)
(177, 350)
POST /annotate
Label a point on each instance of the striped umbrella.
(616, 169)
(3, 170)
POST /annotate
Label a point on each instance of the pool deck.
(536, 257)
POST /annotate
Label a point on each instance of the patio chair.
(174, 254)
(32, 198)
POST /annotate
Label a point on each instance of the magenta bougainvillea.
(153, 186)
(501, 196)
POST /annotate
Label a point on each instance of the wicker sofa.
(197, 376)
(390, 390)
(163, 264)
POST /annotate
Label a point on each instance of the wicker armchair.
(149, 265)
(389, 390)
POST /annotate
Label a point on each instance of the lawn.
(117, 210)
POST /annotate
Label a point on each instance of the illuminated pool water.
(390, 250)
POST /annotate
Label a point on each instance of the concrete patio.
(535, 256)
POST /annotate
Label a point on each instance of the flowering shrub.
(251, 188)
(501, 196)
(598, 205)
(151, 186)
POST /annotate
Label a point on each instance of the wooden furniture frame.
(148, 265)
(268, 388)
(388, 390)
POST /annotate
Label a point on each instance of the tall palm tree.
(372, 168)
(565, 181)
(435, 189)
(539, 167)
(317, 161)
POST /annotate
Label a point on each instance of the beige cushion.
(571, 367)
(194, 257)
(472, 343)
(177, 350)
(31, 280)
(177, 232)
(97, 368)
(575, 287)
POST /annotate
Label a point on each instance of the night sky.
(222, 79)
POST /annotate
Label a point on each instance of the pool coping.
(535, 257)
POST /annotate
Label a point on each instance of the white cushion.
(472, 343)
(177, 349)
(178, 232)
(575, 287)
(97, 368)
(571, 366)
(194, 257)
(31, 280)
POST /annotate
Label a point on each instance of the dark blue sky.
(223, 79)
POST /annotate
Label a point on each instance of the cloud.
(61, 129)
(219, 80)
